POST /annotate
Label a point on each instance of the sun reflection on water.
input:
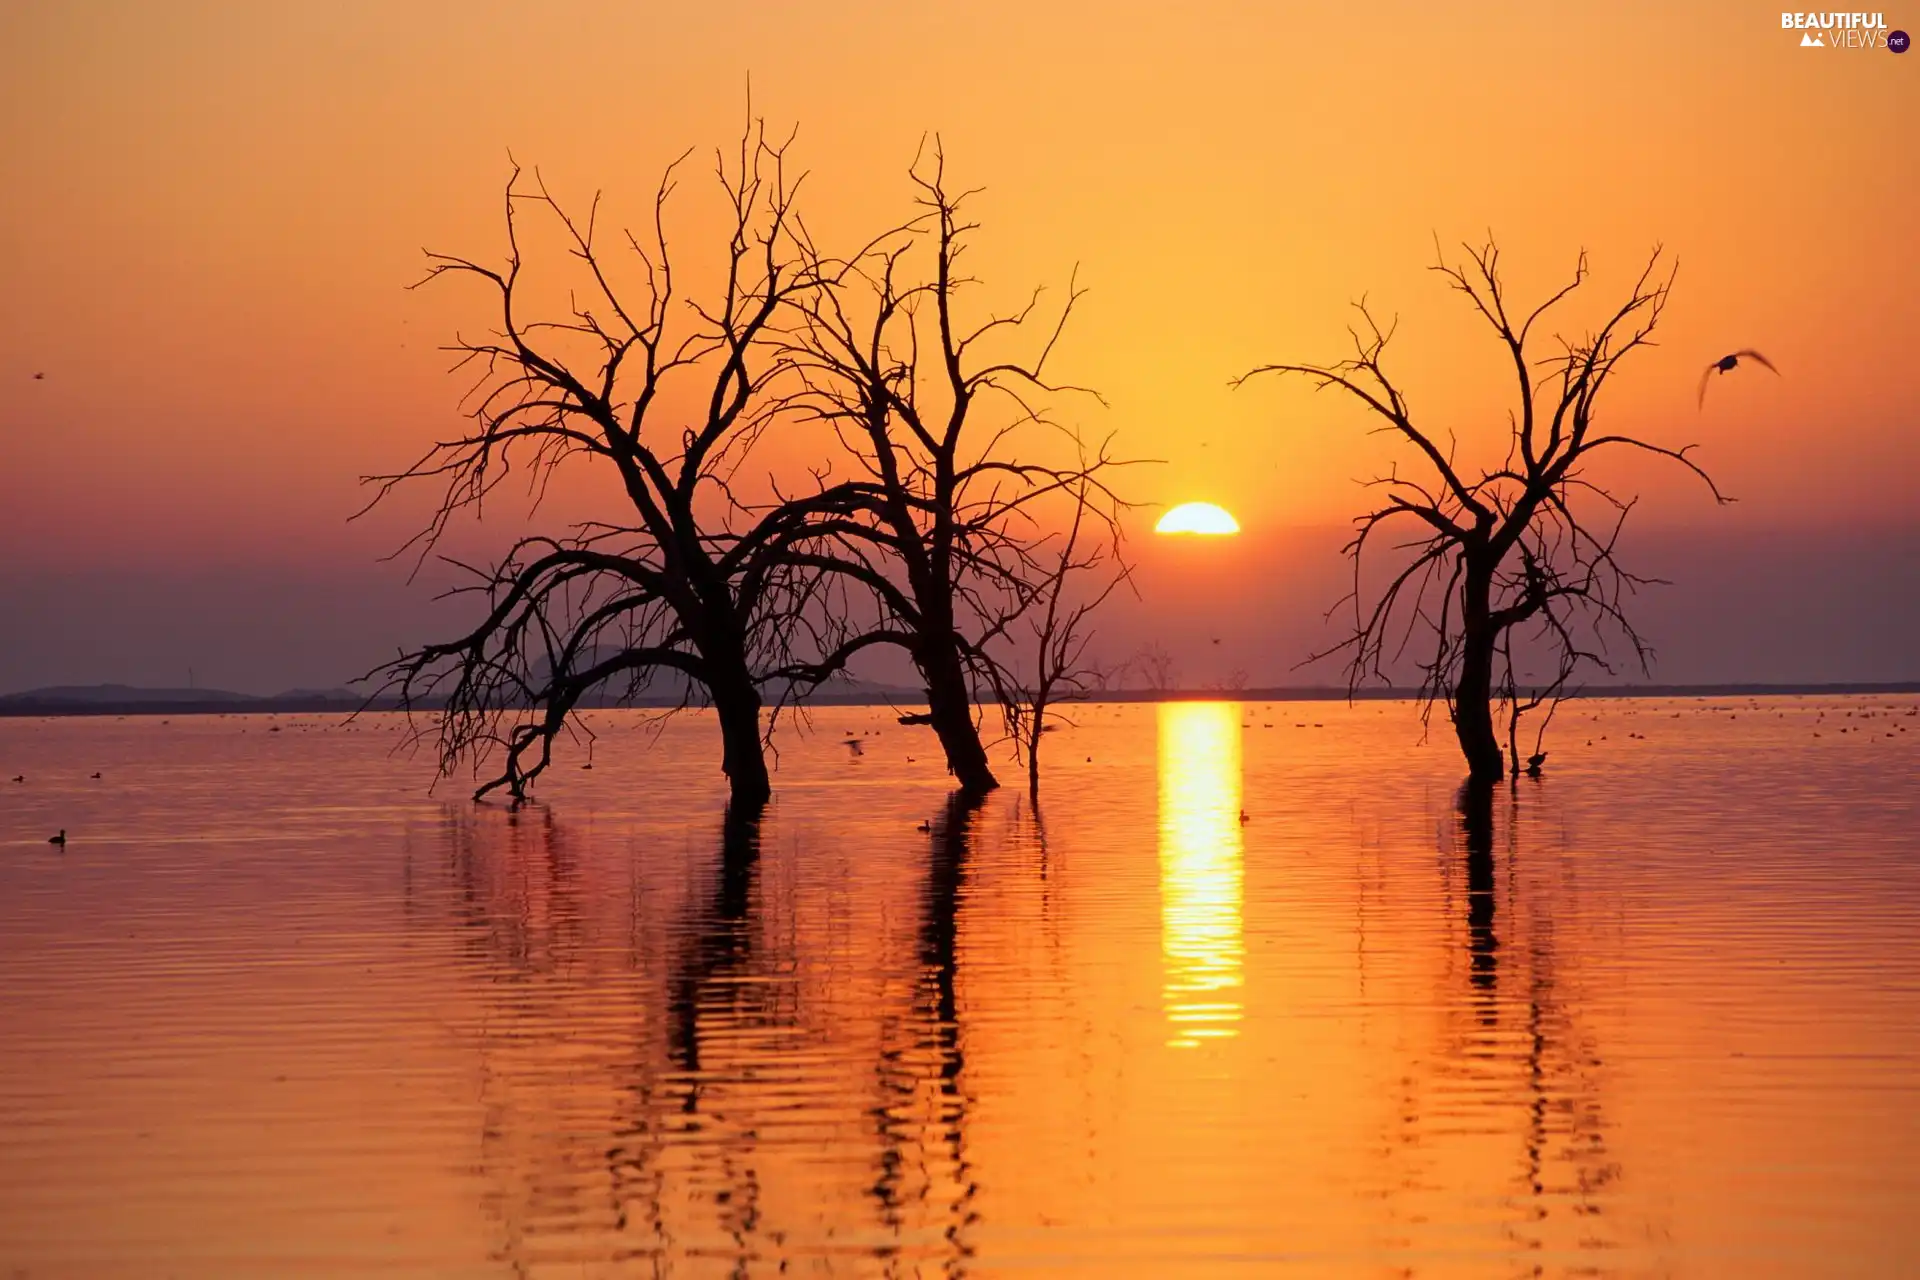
(1201, 878)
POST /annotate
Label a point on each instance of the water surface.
(1242, 994)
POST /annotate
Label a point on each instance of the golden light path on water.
(1202, 891)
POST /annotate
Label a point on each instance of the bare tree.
(1156, 666)
(929, 408)
(1526, 548)
(1061, 631)
(667, 397)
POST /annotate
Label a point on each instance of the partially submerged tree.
(1526, 548)
(949, 449)
(1060, 630)
(919, 532)
(667, 397)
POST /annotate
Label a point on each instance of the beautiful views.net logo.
(1844, 31)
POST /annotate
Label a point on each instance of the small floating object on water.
(19, 777)
(60, 839)
(854, 745)
(96, 773)
(1244, 819)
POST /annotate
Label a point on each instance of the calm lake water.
(277, 1010)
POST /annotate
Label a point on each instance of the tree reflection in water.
(1520, 996)
(674, 1100)
(769, 1061)
(923, 1110)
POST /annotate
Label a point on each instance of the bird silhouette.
(1726, 364)
(854, 745)
(924, 827)
(1534, 762)
(39, 377)
(96, 774)
(60, 839)
(19, 777)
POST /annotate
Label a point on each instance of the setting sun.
(1198, 517)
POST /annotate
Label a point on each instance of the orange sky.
(213, 210)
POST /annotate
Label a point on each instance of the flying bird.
(1726, 364)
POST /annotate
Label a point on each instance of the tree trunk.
(742, 759)
(950, 710)
(1473, 694)
(1035, 728)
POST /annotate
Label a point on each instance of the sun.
(1198, 517)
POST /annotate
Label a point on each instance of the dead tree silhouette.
(1059, 623)
(666, 397)
(940, 509)
(1528, 546)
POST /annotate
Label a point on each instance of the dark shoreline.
(18, 705)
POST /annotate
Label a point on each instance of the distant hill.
(125, 700)
(88, 694)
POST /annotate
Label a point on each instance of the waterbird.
(854, 745)
(39, 377)
(19, 777)
(60, 839)
(1534, 762)
(96, 773)
(924, 826)
(1726, 364)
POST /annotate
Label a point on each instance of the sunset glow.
(1198, 517)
